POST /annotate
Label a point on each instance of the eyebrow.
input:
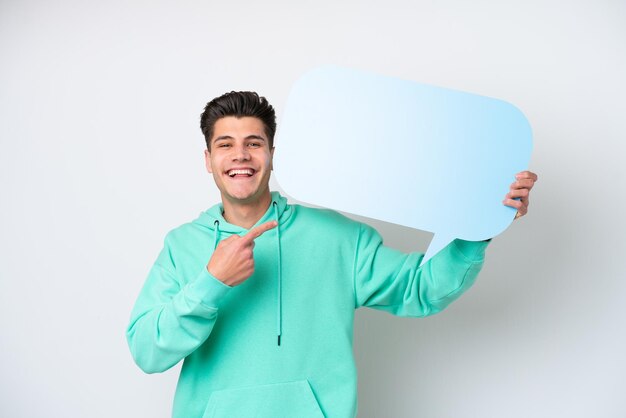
(225, 137)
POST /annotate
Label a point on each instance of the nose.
(241, 153)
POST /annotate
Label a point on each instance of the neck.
(246, 215)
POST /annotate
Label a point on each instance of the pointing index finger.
(256, 232)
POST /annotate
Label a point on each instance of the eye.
(223, 145)
(254, 144)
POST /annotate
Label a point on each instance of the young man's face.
(240, 159)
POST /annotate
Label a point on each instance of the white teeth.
(246, 171)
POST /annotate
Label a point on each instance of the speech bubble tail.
(436, 244)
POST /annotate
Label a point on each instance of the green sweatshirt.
(280, 344)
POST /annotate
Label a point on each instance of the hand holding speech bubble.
(421, 156)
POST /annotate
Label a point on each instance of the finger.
(526, 175)
(256, 232)
(247, 254)
(513, 203)
(523, 210)
(523, 184)
(525, 204)
(522, 193)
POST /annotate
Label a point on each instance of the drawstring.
(217, 233)
(279, 313)
(279, 308)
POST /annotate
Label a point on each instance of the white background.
(101, 155)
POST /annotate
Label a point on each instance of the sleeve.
(169, 321)
(389, 280)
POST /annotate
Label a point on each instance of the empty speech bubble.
(412, 154)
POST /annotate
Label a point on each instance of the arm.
(391, 281)
(168, 321)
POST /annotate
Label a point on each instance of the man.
(258, 296)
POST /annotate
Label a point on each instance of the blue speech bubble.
(421, 156)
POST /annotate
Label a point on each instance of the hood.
(279, 210)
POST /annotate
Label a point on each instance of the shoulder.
(323, 219)
(187, 233)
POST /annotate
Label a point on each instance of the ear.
(207, 161)
(272, 158)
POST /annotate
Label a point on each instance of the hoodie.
(280, 343)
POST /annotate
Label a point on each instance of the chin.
(244, 197)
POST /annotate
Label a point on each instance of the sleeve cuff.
(208, 289)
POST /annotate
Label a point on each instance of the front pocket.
(279, 400)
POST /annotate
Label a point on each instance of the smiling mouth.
(243, 172)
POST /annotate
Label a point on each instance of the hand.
(520, 189)
(232, 261)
